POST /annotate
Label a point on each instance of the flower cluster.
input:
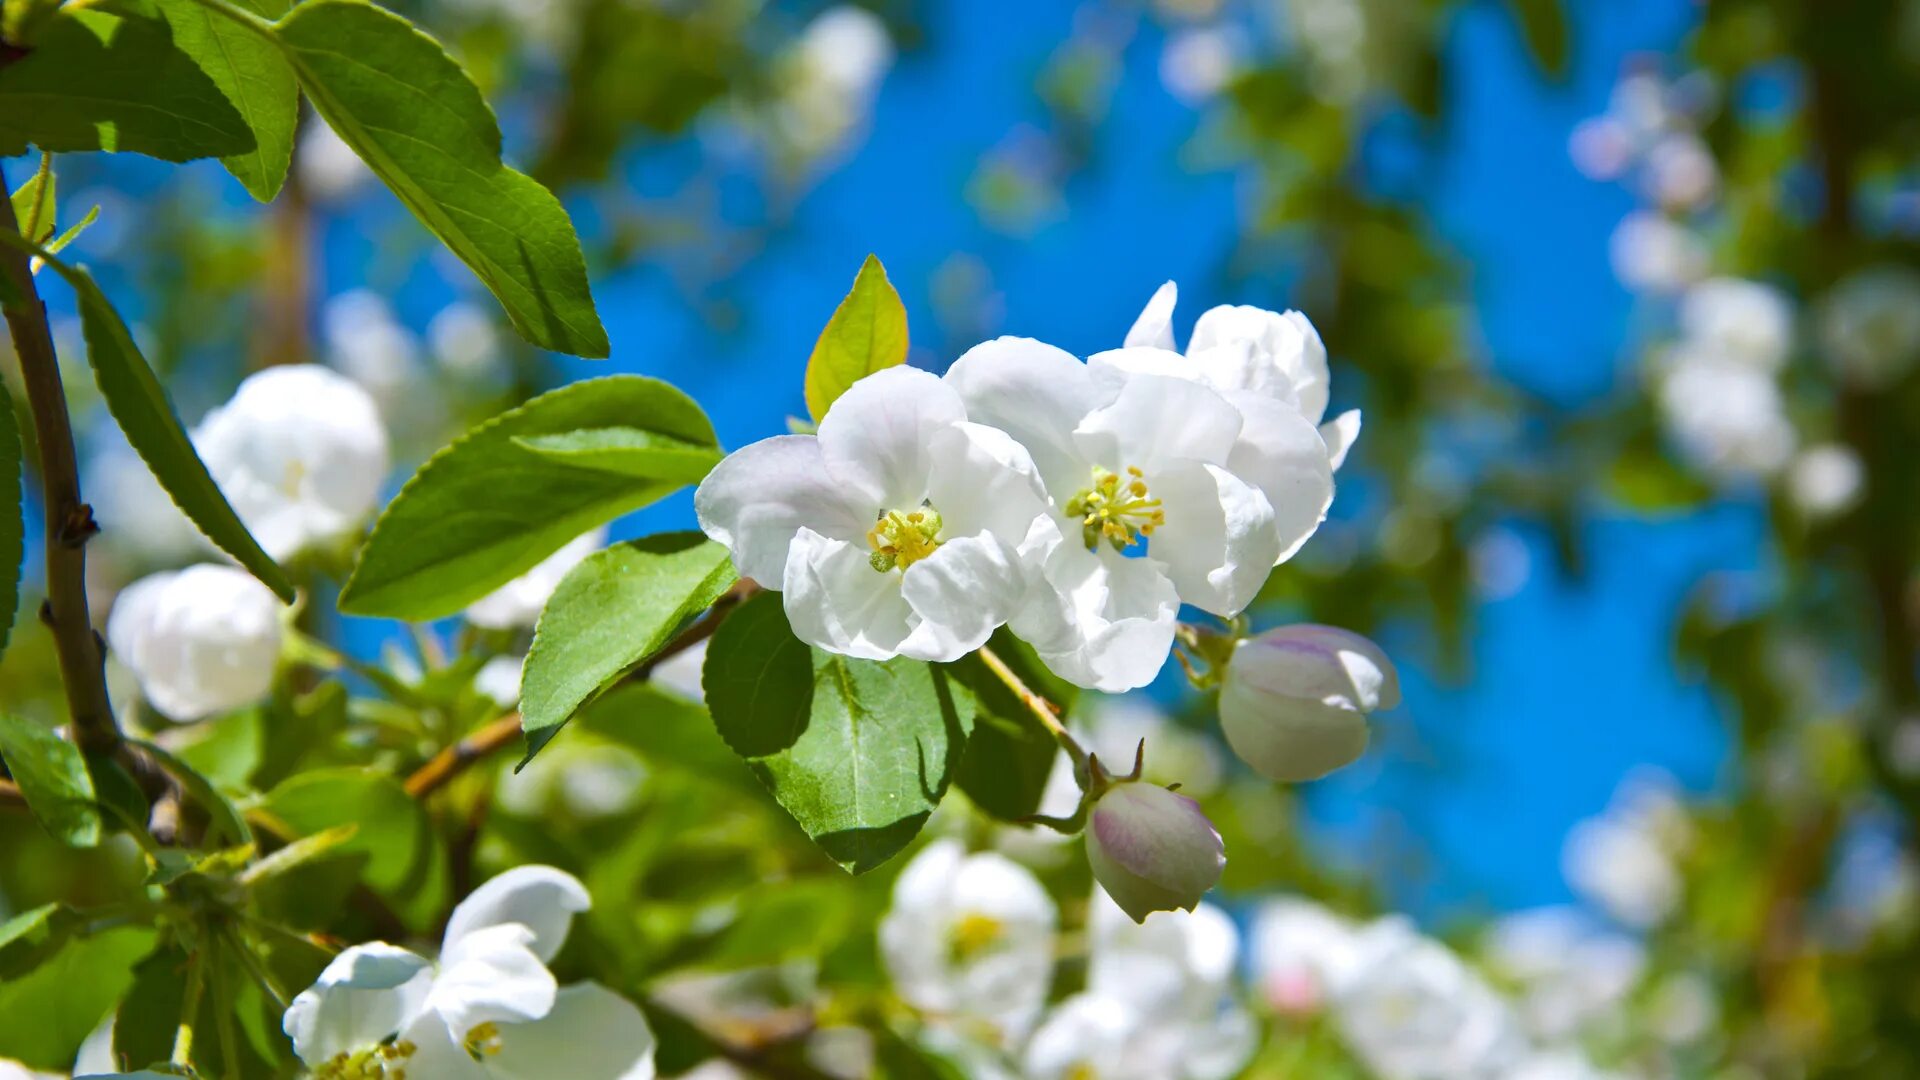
(1079, 503)
(487, 1008)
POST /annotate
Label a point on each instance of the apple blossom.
(300, 453)
(1301, 951)
(1412, 1010)
(1870, 326)
(901, 529)
(1624, 860)
(1294, 700)
(1152, 849)
(1727, 418)
(487, 1008)
(970, 938)
(1569, 973)
(1132, 463)
(518, 602)
(1825, 480)
(1735, 321)
(199, 641)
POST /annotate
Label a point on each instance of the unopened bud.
(1152, 849)
(1295, 700)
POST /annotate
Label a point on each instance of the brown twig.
(1043, 710)
(454, 760)
(69, 520)
(10, 796)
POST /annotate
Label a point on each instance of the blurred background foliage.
(1579, 567)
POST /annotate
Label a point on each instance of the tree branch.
(69, 520)
(454, 760)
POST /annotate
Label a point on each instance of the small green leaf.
(96, 81)
(629, 452)
(33, 935)
(225, 818)
(1010, 755)
(410, 112)
(1544, 25)
(859, 752)
(868, 332)
(148, 1018)
(254, 78)
(73, 231)
(13, 529)
(487, 508)
(406, 863)
(52, 774)
(46, 1013)
(613, 611)
(33, 204)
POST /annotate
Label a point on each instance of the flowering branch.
(69, 520)
(1043, 710)
(454, 760)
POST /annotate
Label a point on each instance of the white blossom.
(1680, 171)
(200, 641)
(487, 1008)
(1412, 1010)
(499, 680)
(464, 340)
(1825, 480)
(1737, 322)
(1301, 952)
(365, 342)
(1870, 326)
(1198, 61)
(1294, 700)
(329, 169)
(829, 76)
(1624, 860)
(1570, 973)
(902, 529)
(300, 452)
(969, 939)
(518, 603)
(1727, 418)
(1652, 252)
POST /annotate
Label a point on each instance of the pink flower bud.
(1152, 849)
(1295, 699)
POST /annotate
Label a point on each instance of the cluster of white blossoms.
(971, 942)
(1718, 392)
(1079, 503)
(1626, 860)
(488, 1007)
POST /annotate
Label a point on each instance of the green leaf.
(487, 508)
(868, 332)
(629, 452)
(667, 730)
(52, 774)
(96, 81)
(226, 819)
(31, 936)
(1544, 25)
(254, 78)
(1010, 755)
(47, 1012)
(406, 864)
(139, 405)
(613, 611)
(858, 752)
(13, 527)
(148, 1018)
(33, 204)
(395, 96)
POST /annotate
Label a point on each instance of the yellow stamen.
(974, 934)
(1122, 516)
(901, 538)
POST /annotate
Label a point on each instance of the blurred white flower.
(1870, 326)
(518, 602)
(1560, 1064)
(1176, 971)
(1624, 860)
(200, 641)
(584, 778)
(1825, 480)
(1412, 1010)
(1734, 321)
(365, 342)
(1602, 147)
(970, 939)
(680, 673)
(1680, 172)
(1152, 849)
(1727, 418)
(1683, 1008)
(1652, 252)
(329, 169)
(1301, 952)
(1295, 699)
(1198, 61)
(830, 75)
(300, 453)
(499, 680)
(488, 1008)
(136, 514)
(465, 341)
(1569, 973)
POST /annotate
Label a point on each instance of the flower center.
(974, 934)
(483, 1040)
(384, 1062)
(901, 538)
(1116, 509)
(1082, 1071)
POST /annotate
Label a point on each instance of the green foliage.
(34, 203)
(1011, 753)
(406, 860)
(52, 774)
(489, 507)
(1544, 25)
(859, 752)
(254, 78)
(410, 112)
(13, 526)
(628, 451)
(46, 1012)
(612, 612)
(226, 819)
(867, 332)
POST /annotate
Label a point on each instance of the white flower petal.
(438, 1054)
(983, 481)
(591, 1034)
(518, 602)
(1287, 459)
(1035, 393)
(490, 975)
(1157, 420)
(1219, 542)
(1285, 356)
(1155, 325)
(1100, 620)
(541, 898)
(879, 434)
(835, 599)
(961, 594)
(1340, 433)
(364, 995)
(760, 495)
